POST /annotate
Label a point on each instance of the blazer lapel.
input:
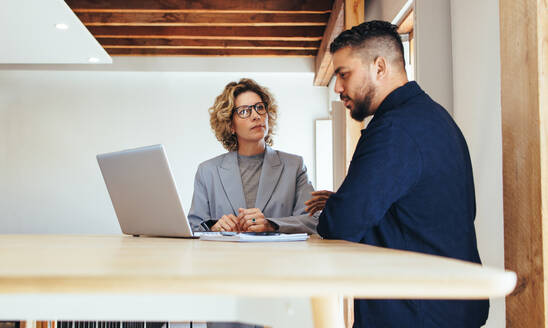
(270, 175)
(232, 181)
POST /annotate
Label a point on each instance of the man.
(409, 185)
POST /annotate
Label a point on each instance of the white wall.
(54, 122)
(477, 110)
(3, 147)
(433, 63)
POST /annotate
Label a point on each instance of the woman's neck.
(250, 149)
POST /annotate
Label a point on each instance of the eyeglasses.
(246, 110)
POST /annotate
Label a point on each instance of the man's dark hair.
(376, 37)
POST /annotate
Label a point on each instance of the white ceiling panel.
(28, 35)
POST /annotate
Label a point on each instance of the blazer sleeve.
(300, 221)
(199, 213)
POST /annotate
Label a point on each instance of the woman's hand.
(252, 219)
(317, 202)
(227, 222)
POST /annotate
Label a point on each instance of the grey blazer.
(283, 189)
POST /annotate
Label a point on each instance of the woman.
(252, 187)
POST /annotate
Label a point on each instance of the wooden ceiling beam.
(354, 13)
(209, 37)
(206, 27)
(204, 44)
(201, 5)
(304, 33)
(201, 19)
(335, 25)
(406, 25)
(209, 52)
(345, 14)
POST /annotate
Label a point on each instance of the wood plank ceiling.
(206, 27)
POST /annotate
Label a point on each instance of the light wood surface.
(205, 18)
(324, 61)
(328, 312)
(197, 6)
(264, 33)
(316, 268)
(407, 23)
(524, 94)
(345, 15)
(354, 15)
(542, 28)
(209, 44)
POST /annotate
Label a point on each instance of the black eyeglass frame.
(254, 107)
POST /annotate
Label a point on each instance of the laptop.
(143, 192)
(145, 198)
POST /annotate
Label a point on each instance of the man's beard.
(362, 107)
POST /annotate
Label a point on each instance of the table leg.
(328, 312)
(348, 312)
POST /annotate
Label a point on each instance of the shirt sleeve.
(385, 166)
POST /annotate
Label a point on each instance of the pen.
(205, 226)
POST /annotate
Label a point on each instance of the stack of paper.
(246, 237)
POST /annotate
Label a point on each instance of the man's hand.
(227, 222)
(317, 202)
(252, 219)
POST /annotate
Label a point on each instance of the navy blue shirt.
(409, 186)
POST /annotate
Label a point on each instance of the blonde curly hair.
(222, 112)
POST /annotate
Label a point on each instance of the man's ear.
(381, 67)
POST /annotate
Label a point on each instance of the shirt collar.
(398, 97)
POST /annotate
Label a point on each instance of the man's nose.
(338, 86)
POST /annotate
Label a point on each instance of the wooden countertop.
(315, 268)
